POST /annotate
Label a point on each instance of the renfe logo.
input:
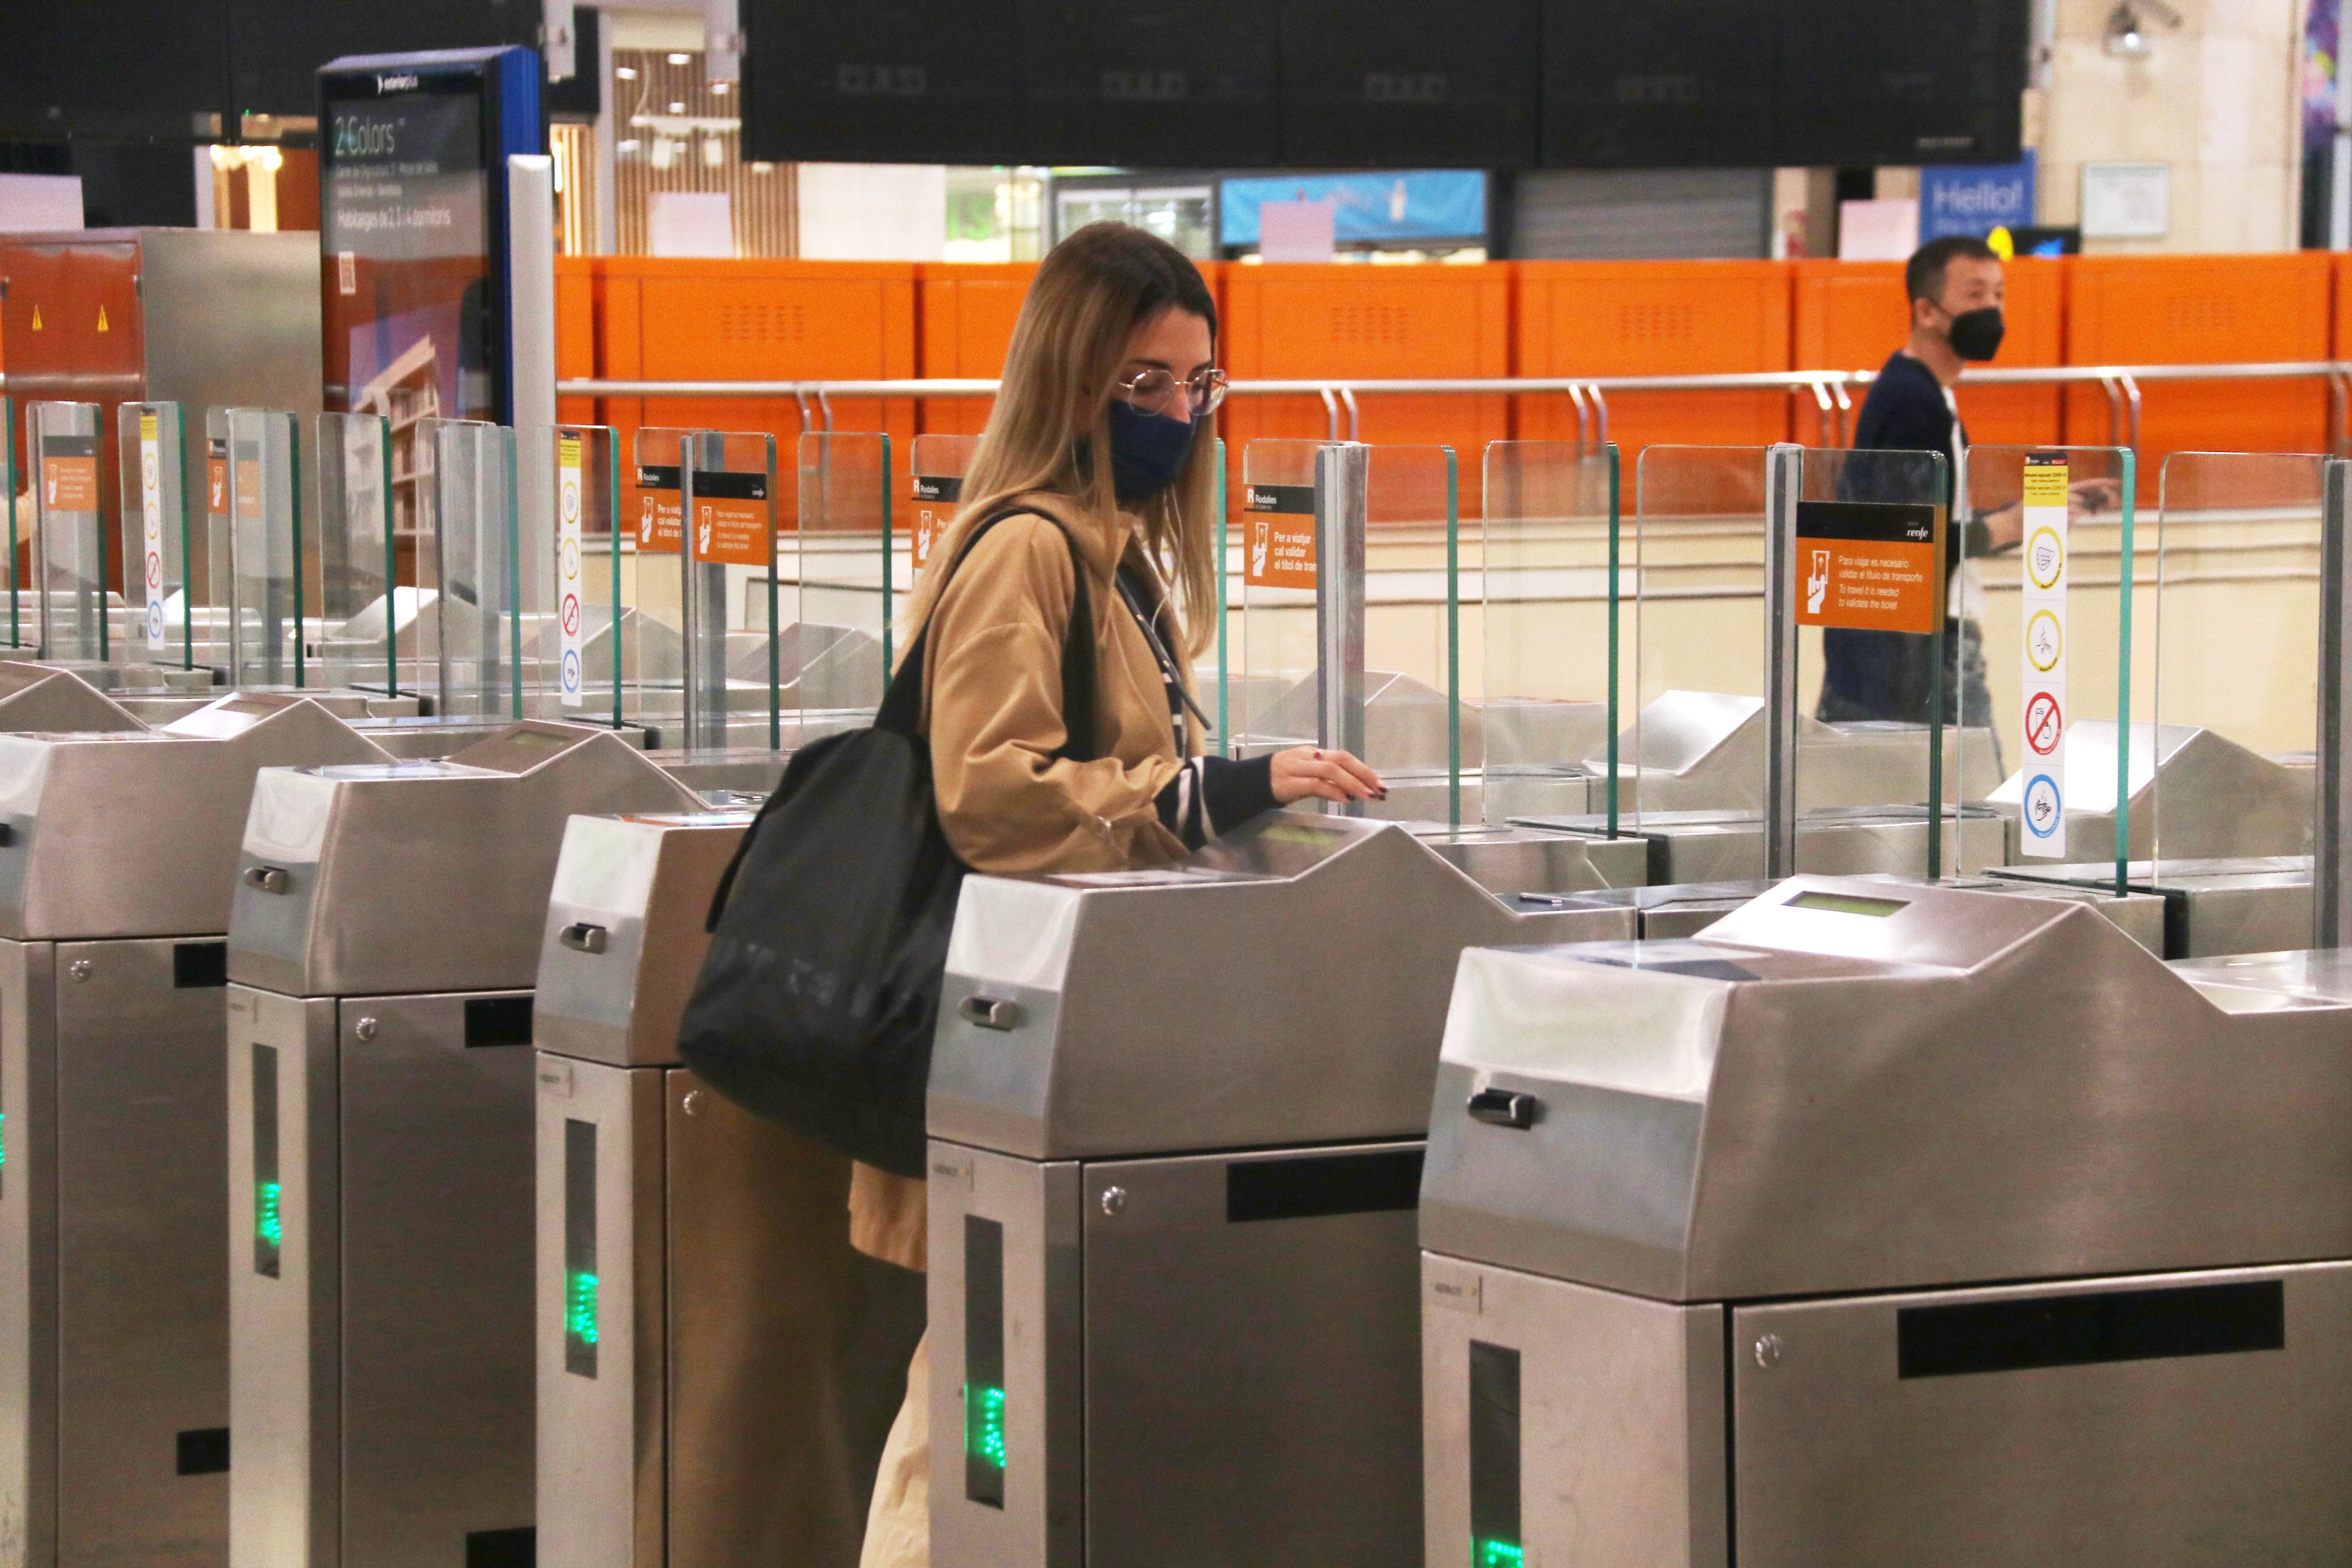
(395, 83)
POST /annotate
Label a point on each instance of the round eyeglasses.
(1157, 391)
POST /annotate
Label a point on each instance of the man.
(1955, 286)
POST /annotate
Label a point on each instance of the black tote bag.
(829, 931)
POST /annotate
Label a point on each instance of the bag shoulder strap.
(902, 704)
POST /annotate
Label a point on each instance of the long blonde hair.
(1089, 296)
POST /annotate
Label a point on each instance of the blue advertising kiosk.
(416, 274)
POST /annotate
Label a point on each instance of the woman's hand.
(1303, 771)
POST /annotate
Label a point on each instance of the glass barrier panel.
(2235, 627)
(1416, 735)
(266, 551)
(733, 684)
(366, 625)
(1874, 736)
(19, 624)
(217, 624)
(1272, 703)
(1694, 748)
(938, 464)
(653, 578)
(1546, 701)
(475, 569)
(586, 642)
(69, 543)
(152, 449)
(2039, 675)
(837, 655)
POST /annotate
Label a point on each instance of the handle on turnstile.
(266, 878)
(581, 937)
(1505, 1108)
(988, 1012)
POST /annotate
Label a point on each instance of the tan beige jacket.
(992, 711)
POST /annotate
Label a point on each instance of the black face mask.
(1976, 334)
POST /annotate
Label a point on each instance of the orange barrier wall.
(2203, 310)
(1850, 315)
(1357, 322)
(967, 310)
(575, 334)
(664, 320)
(1655, 318)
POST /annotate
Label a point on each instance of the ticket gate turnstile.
(2212, 909)
(1889, 1224)
(382, 943)
(1176, 1120)
(716, 1367)
(117, 849)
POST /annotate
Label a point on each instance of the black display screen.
(1138, 83)
(983, 1361)
(581, 1316)
(892, 82)
(403, 217)
(1421, 85)
(1494, 1539)
(269, 1214)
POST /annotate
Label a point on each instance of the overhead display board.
(1309, 84)
(125, 67)
(1417, 84)
(412, 221)
(895, 81)
(1128, 82)
(275, 50)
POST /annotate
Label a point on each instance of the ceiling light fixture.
(681, 60)
(626, 73)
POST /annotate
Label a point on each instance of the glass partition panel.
(2040, 676)
(653, 576)
(835, 657)
(1416, 734)
(1546, 702)
(266, 609)
(938, 464)
(1695, 739)
(19, 624)
(69, 540)
(475, 566)
(217, 622)
(367, 626)
(2235, 627)
(1872, 562)
(732, 683)
(151, 448)
(589, 641)
(1271, 703)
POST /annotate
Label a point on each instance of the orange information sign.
(1280, 537)
(656, 509)
(1869, 566)
(935, 500)
(248, 487)
(216, 477)
(730, 519)
(68, 483)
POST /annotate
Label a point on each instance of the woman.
(1098, 437)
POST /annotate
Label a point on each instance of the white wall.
(2217, 98)
(874, 212)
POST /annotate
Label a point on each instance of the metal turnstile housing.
(1176, 1123)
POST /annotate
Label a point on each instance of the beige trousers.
(898, 1525)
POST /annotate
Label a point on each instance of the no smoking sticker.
(2043, 723)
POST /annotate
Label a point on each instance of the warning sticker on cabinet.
(1869, 566)
(1278, 531)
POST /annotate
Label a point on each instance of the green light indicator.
(580, 1308)
(267, 1223)
(984, 1425)
(1500, 1554)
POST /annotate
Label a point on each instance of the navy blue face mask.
(1147, 450)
